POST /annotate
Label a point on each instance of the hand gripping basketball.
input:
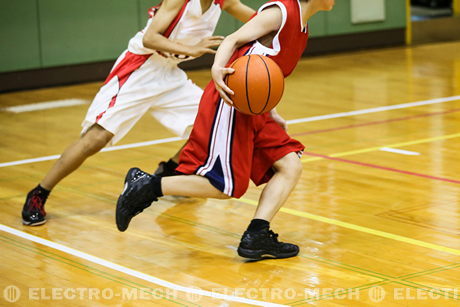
(257, 83)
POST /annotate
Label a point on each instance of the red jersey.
(230, 148)
(288, 44)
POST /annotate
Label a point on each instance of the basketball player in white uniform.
(145, 78)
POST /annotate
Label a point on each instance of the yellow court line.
(375, 232)
(354, 152)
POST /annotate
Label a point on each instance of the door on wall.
(430, 9)
(433, 20)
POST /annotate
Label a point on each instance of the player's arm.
(278, 119)
(154, 39)
(266, 22)
(239, 10)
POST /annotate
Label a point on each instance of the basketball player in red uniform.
(227, 148)
(145, 78)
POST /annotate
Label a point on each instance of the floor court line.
(45, 105)
(374, 110)
(132, 272)
(295, 121)
(112, 148)
(364, 150)
(386, 168)
(122, 280)
(371, 231)
(378, 122)
(400, 151)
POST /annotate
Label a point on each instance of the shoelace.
(139, 174)
(273, 235)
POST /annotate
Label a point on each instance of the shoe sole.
(33, 223)
(118, 216)
(119, 205)
(261, 254)
(123, 225)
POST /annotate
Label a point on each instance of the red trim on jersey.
(153, 10)
(176, 20)
(291, 38)
(123, 71)
(220, 2)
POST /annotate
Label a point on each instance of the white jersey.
(189, 27)
(144, 80)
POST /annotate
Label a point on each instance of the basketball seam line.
(269, 85)
(246, 81)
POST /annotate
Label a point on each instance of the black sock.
(258, 225)
(42, 191)
(156, 184)
(171, 164)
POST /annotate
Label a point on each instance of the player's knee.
(94, 141)
(290, 164)
(295, 166)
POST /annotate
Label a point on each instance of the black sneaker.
(265, 244)
(137, 195)
(166, 169)
(33, 211)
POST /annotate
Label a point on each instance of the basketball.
(258, 84)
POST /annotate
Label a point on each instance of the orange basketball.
(258, 84)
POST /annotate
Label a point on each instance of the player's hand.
(205, 46)
(278, 119)
(218, 75)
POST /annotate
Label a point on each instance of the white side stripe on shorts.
(220, 147)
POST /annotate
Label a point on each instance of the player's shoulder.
(271, 9)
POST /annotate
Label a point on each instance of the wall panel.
(19, 39)
(85, 31)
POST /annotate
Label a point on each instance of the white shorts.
(141, 83)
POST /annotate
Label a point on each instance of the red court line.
(383, 168)
(376, 122)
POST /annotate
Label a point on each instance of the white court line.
(45, 105)
(131, 272)
(374, 110)
(112, 148)
(293, 121)
(400, 151)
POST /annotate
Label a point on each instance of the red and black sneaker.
(33, 212)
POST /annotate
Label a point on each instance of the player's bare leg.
(287, 173)
(191, 186)
(90, 143)
(141, 189)
(258, 240)
(96, 138)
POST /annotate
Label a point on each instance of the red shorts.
(229, 147)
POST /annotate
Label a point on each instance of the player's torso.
(195, 25)
(189, 27)
(288, 45)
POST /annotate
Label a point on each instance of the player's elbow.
(233, 41)
(149, 41)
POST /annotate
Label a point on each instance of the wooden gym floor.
(376, 212)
